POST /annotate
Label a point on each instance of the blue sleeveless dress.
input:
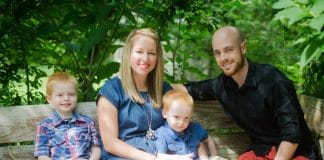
(133, 118)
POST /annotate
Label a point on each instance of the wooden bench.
(18, 126)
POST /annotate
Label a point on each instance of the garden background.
(84, 37)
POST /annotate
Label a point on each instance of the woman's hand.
(161, 156)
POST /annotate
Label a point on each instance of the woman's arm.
(108, 126)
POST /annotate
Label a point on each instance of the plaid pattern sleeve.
(94, 134)
(41, 142)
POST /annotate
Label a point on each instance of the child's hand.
(217, 158)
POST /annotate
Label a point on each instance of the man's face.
(229, 53)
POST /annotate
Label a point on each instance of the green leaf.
(283, 4)
(130, 16)
(302, 1)
(72, 46)
(47, 28)
(107, 70)
(317, 22)
(318, 7)
(95, 35)
(70, 17)
(303, 57)
(144, 11)
(293, 14)
(105, 11)
(197, 71)
(310, 52)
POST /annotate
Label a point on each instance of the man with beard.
(260, 99)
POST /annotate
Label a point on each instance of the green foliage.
(75, 36)
(81, 37)
(305, 19)
(314, 78)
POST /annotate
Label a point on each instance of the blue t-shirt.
(133, 118)
(170, 142)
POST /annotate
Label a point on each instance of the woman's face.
(143, 56)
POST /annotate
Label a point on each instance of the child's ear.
(164, 114)
(48, 98)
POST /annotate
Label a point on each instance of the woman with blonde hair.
(129, 105)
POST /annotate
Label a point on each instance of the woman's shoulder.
(113, 91)
(113, 81)
(112, 84)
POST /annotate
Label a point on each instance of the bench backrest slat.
(18, 124)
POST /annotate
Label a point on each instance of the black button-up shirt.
(265, 106)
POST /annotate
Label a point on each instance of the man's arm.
(201, 90)
(287, 113)
(286, 150)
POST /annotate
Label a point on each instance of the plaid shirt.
(66, 139)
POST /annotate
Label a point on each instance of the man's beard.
(238, 65)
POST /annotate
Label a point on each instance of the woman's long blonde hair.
(155, 77)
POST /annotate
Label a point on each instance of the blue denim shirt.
(132, 117)
(66, 139)
(170, 142)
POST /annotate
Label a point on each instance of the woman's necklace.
(150, 133)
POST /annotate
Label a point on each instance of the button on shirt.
(265, 106)
(66, 139)
(170, 142)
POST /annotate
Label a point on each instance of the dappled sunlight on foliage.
(81, 37)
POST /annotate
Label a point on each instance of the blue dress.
(133, 118)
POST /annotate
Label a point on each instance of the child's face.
(63, 98)
(178, 116)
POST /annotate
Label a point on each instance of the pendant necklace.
(150, 133)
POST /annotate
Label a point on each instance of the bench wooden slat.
(314, 113)
(227, 146)
(211, 115)
(17, 152)
(18, 123)
(231, 145)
